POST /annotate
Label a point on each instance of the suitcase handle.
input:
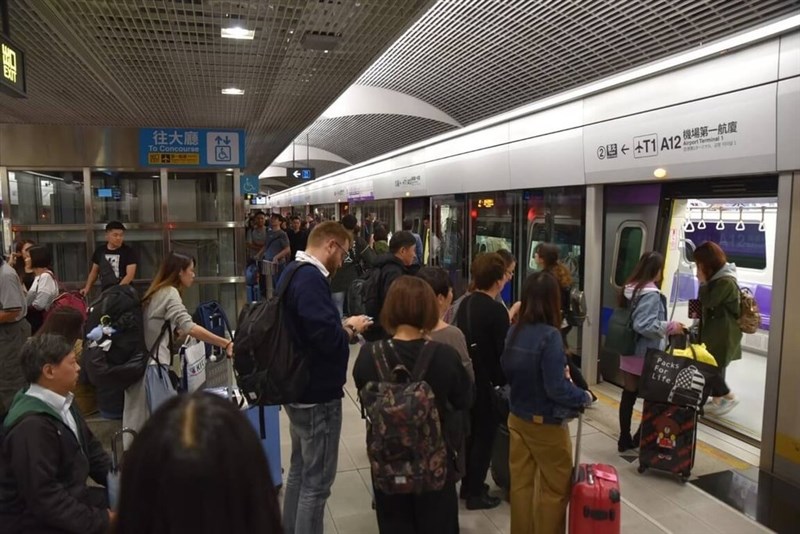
(578, 447)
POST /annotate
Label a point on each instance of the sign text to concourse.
(185, 147)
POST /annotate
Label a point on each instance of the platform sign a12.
(301, 173)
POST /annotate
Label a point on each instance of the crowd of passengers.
(197, 465)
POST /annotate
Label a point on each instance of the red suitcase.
(595, 503)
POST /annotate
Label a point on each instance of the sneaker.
(594, 397)
(723, 406)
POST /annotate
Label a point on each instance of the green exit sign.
(12, 68)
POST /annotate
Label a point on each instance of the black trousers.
(717, 386)
(434, 512)
(480, 442)
(577, 375)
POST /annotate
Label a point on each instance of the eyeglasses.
(344, 251)
(510, 274)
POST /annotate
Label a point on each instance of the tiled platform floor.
(651, 503)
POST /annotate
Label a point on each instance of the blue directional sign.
(248, 184)
(301, 173)
(191, 147)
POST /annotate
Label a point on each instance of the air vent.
(320, 41)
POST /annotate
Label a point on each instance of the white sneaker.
(724, 406)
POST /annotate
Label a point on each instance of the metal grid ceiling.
(474, 59)
(163, 63)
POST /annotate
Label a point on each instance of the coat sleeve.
(500, 324)
(646, 320)
(36, 467)
(460, 394)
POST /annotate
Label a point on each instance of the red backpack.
(67, 299)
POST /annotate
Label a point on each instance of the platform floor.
(651, 503)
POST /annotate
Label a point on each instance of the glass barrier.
(198, 196)
(126, 196)
(212, 248)
(47, 197)
(68, 251)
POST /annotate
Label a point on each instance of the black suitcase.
(668, 438)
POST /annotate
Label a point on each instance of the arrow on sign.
(296, 174)
(624, 149)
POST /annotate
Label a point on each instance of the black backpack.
(113, 370)
(363, 295)
(270, 369)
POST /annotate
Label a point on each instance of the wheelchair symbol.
(250, 187)
(223, 153)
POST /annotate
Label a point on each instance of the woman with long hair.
(164, 316)
(546, 256)
(197, 466)
(409, 314)
(68, 323)
(542, 398)
(642, 293)
(719, 328)
(44, 289)
(21, 262)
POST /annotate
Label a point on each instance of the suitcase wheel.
(684, 477)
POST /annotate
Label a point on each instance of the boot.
(625, 414)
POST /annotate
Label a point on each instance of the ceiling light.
(237, 32)
(232, 91)
(660, 173)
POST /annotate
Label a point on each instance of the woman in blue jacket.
(542, 399)
(649, 320)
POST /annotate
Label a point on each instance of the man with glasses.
(312, 320)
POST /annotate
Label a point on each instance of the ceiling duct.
(320, 41)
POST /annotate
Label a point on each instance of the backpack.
(66, 299)
(120, 308)
(211, 316)
(363, 295)
(577, 307)
(621, 337)
(270, 370)
(405, 442)
(749, 314)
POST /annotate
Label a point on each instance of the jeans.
(315, 451)
(338, 299)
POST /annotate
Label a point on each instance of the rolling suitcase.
(668, 438)
(266, 422)
(595, 502)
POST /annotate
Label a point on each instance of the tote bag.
(676, 377)
(193, 365)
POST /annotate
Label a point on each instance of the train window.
(746, 248)
(629, 248)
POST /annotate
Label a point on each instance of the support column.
(592, 282)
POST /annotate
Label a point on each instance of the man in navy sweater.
(312, 319)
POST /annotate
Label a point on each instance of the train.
(704, 145)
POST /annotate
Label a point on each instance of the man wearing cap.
(114, 262)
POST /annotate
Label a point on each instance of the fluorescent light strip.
(746, 38)
(232, 91)
(238, 32)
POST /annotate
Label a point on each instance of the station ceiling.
(476, 59)
(146, 63)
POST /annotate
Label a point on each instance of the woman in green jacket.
(719, 327)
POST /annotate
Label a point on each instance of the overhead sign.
(686, 133)
(12, 75)
(248, 184)
(301, 173)
(184, 147)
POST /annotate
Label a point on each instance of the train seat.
(763, 296)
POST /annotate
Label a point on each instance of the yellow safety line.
(717, 453)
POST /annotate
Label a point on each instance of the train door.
(555, 215)
(740, 216)
(415, 210)
(446, 242)
(495, 226)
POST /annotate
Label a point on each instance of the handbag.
(193, 365)
(676, 377)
